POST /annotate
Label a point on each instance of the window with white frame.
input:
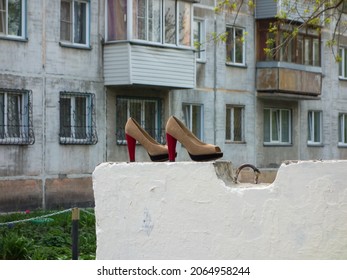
(193, 117)
(146, 111)
(343, 63)
(314, 127)
(16, 117)
(277, 126)
(235, 46)
(199, 39)
(77, 118)
(12, 18)
(158, 21)
(74, 22)
(234, 123)
(343, 129)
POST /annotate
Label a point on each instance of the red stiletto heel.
(198, 150)
(171, 144)
(134, 132)
(131, 143)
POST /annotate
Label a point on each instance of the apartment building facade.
(73, 71)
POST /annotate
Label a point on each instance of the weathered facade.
(76, 70)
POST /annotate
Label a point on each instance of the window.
(304, 48)
(235, 46)
(157, 21)
(16, 117)
(12, 18)
(199, 39)
(184, 23)
(116, 20)
(74, 22)
(147, 112)
(234, 130)
(77, 118)
(147, 20)
(343, 63)
(193, 117)
(343, 129)
(314, 127)
(277, 126)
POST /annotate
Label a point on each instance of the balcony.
(283, 80)
(128, 63)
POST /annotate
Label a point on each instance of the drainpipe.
(43, 104)
(215, 78)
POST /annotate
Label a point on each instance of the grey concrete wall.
(41, 65)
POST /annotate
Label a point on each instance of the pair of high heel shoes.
(175, 131)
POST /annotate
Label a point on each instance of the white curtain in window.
(15, 17)
(147, 20)
(275, 125)
(184, 21)
(170, 21)
(80, 23)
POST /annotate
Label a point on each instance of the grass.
(46, 238)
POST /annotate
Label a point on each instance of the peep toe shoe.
(198, 150)
(134, 132)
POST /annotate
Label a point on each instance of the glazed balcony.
(128, 63)
(149, 43)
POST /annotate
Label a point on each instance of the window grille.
(146, 111)
(16, 121)
(77, 118)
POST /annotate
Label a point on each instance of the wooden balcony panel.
(295, 83)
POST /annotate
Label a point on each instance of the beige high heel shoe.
(198, 150)
(133, 132)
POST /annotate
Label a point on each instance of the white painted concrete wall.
(184, 211)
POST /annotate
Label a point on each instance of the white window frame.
(343, 63)
(200, 53)
(231, 108)
(87, 25)
(23, 22)
(188, 113)
(311, 120)
(229, 61)
(342, 127)
(280, 128)
(130, 25)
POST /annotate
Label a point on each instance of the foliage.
(45, 239)
(299, 14)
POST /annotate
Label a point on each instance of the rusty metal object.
(256, 172)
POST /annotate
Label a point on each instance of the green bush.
(15, 247)
(46, 238)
